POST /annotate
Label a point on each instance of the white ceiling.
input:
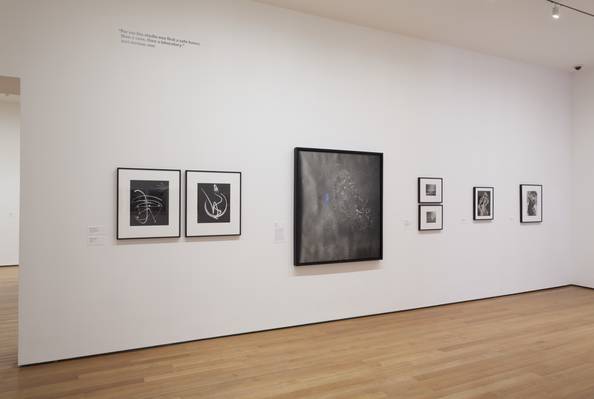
(518, 29)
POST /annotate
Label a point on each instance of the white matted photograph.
(213, 203)
(483, 200)
(430, 217)
(530, 203)
(148, 203)
(430, 190)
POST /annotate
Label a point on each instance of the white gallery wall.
(583, 128)
(262, 81)
(9, 181)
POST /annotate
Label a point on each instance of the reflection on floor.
(536, 345)
(8, 317)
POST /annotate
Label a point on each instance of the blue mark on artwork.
(326, 199)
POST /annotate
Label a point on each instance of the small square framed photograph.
(483, 200)
(430, 190)
(530, 203)
(148, 203)
(213, 203)
(430, 217)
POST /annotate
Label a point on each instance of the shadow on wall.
(336, 268)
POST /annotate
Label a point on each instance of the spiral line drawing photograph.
(149, 203)
(214, 202)
(216, 207)
(146, 207)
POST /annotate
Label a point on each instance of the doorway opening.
(10, 128)
(10, 177)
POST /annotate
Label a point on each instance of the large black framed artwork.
(213, 203)
(337, 206)
(483, 203)
(530, 203)
(430, 217)
(148, 203)
(430, 190)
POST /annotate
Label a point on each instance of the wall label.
(152, 40)
(279, 233)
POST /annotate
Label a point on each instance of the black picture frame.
(298, 207)
(118, 203)
(522, 220)
(419, 180)
(186, 202)
(420, 213)
(474, 209)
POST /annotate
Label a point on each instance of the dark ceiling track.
(571, 8)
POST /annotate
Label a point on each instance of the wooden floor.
(537, 345)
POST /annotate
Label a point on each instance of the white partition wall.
(583, 125)
(262, 81)
(9, 181)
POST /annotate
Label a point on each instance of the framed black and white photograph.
(213, 203)
(430, 217)
(337, 206)
(530, 203)
(148, 203)
(483, 200)
(430, 190)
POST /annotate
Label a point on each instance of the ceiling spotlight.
(556, 14)
(557, 5)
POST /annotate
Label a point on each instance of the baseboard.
(306, 324)
(9, 265)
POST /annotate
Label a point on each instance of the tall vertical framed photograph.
(148, 203)
(213, 203)
(483, 203)
(338, 206)
(430, 190)
(430, 217)
(530, 203)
